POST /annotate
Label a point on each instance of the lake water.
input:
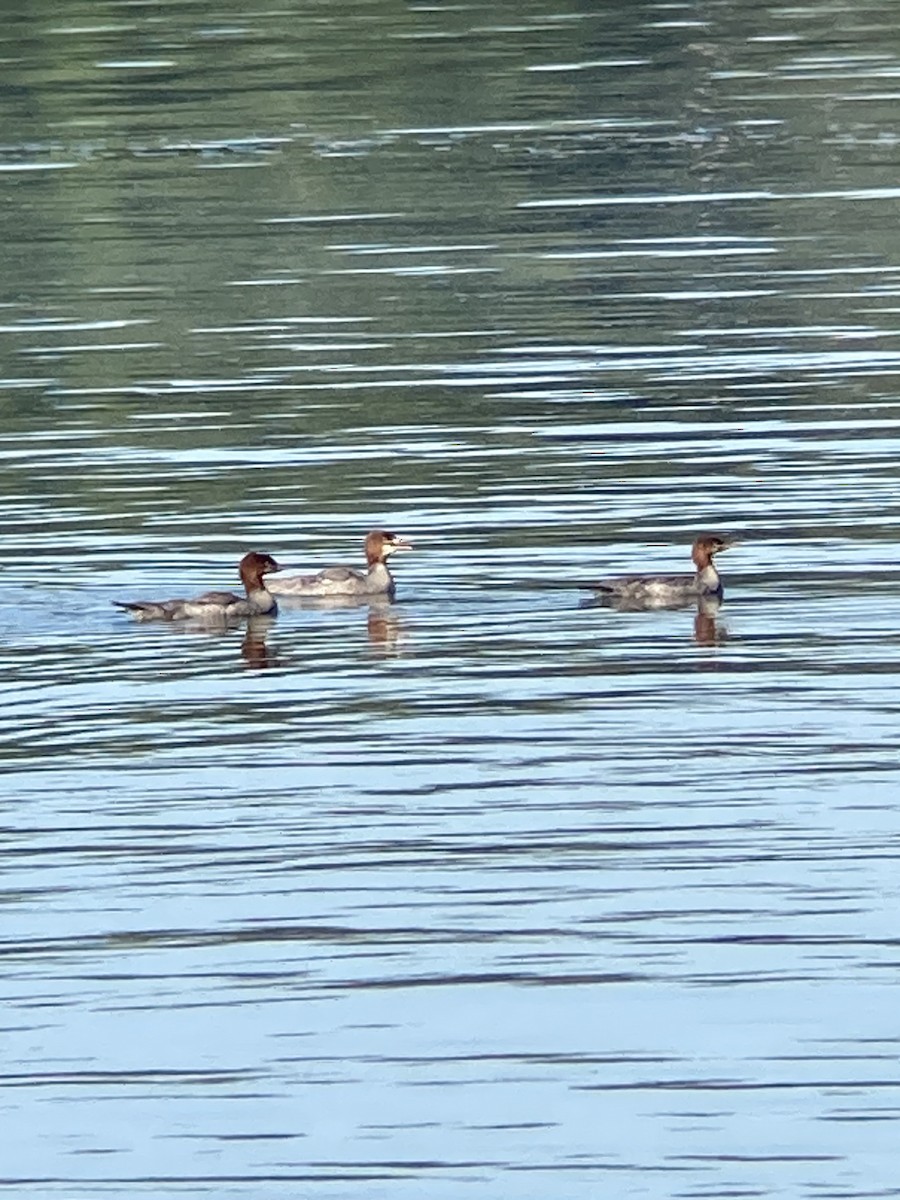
(489, 892)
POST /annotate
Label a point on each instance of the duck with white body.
(376, 581)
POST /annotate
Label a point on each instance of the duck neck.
(708, 579)
(379, 577)
(259, 595)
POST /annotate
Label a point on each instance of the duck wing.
(152, 610)
(332, 579)
(216, 599)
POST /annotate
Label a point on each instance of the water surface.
(490, 890)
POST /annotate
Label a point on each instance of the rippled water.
(490, 891)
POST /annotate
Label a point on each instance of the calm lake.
(491, 892)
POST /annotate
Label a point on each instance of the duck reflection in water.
(384, 626)
(707, 630)
(385, 629)
(254, 651)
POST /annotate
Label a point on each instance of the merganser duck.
(666, 591)
(345, 581)
(216, 606)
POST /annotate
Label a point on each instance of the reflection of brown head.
(385, 629)
(379, 545)
(706, 547)
(254, 651)
(707, 631)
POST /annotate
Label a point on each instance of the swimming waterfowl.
(345, 581)
(216, 606)
(666, 591)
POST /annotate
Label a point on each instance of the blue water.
(492, 890)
